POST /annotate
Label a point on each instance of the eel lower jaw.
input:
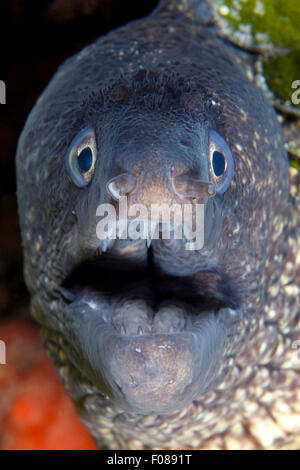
(148, 347)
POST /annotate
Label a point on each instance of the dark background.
(35, 38)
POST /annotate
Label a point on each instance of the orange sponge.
(35, 412)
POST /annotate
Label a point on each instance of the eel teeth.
(106, 244)
(148, 242)
(122, 229)
(123, 330)
(140, 330)
(67, 295)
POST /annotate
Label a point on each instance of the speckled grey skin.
(220, 368)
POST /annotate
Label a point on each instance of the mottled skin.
(145, 88)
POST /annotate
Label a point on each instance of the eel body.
(162, 343)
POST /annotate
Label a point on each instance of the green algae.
(281, 73)
(273, 26)
(272, 21)
(295, 164)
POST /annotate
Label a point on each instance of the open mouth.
(135, 296)
(151, 330)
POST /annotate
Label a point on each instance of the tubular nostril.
(121, 185)
(186, 186)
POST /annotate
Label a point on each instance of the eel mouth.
(150, 332)
(132, 293)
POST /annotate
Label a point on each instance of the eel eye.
(81, 157)
(221, 162)
(218, 163)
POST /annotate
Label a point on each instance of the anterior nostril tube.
(121, 186)
(186, 186)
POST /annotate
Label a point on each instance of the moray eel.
(161, 346)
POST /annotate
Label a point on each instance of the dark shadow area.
(36, 37)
